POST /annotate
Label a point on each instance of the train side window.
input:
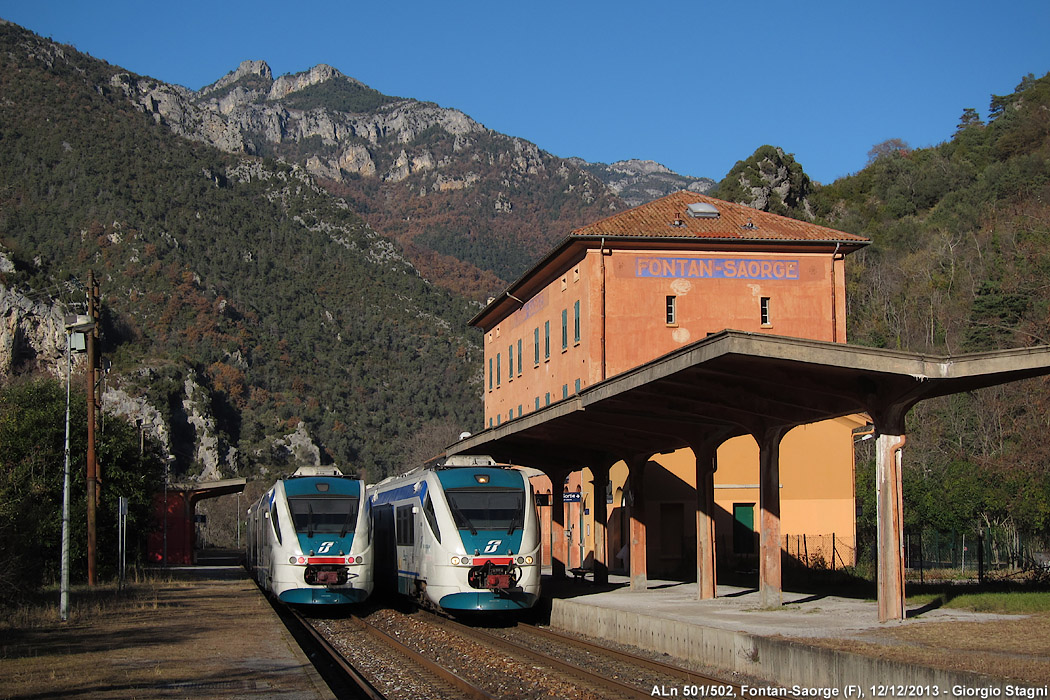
(428, 510)
(405, 532)
(275, 522)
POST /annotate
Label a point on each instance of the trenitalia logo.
(717, 268)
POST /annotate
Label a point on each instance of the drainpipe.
(601, 258)
(834, 299)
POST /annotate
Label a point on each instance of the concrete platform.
(193, 632)
(734, 634)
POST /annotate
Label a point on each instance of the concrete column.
(601, 516)
(636, 508)
(706, 463)
(560, 548)
(889, 495)
(770, 587)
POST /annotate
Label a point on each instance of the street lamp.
(167, 466)
(74, 324)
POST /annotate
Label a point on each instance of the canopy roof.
(735, 383)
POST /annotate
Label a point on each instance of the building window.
(519, 357)
(577, 386)
(537, 403)
(548, 398)
(672, 311)
(565, 391)
(490, 374)
(564, 329)
(519, 410)
(576, 325)
(499, 370)
(546, 340)
(536, 344)
(764, 313)
(510, 363)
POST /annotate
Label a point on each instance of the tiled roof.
(668, 217)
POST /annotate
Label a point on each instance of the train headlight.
(359, 559)
(528, 560)
(302, 560)
(521, 560)
(291, 560)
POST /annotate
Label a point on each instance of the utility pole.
(92, 459)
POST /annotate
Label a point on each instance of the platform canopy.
(735, 383)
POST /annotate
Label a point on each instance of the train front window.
(487, 509)
(324, 515)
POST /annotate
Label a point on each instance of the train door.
(385, 551)
(405, 533)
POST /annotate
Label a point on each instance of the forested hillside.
(228, 281)
(960, 262)
(236, 281)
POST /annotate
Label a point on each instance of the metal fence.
(823, 552)
(977, 552)
(966, 555)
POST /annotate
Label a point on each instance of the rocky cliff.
(641, 181)
(472, 207)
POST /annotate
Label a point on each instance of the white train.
(310, 538)
(462, 536)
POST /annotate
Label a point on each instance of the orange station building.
(630, 288)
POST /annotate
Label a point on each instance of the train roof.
(327, 471)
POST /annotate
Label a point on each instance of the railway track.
(428, 655)
(379, 666)
(342, 678)
(616, 673)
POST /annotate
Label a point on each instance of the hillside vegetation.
(230, 273)
(292, 283)
(960, 262)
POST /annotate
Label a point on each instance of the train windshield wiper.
(519, 517)
(310, 520)
(346, 522)
(463, 519)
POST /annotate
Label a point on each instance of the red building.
(644, 282)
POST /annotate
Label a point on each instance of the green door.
(744, 528)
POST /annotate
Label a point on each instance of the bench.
(579, 573)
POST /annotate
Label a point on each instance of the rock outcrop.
(32, 335)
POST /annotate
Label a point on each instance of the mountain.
(470, 207)
(250, 319)
(287, 264)
(640, 181)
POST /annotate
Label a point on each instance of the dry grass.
(1014, 649)
(157, 638)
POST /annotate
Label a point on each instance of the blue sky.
(694, 85)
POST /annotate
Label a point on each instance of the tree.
(969, 118)
(887, 148)
(32, 447)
